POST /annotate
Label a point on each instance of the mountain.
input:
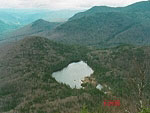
(93, 10)
(7, 27)
(139, 7)
(112, 41)
(26, 84)
(3, 26)
(100, 26)
(106, 26)
(27, 16)
(39, 28)
(25, 76)
(136, 7)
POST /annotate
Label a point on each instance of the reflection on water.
(73, 74)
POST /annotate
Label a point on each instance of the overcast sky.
(63, 4)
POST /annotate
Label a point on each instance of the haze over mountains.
(12, 19)
(27, 16)
(102, 26)
(38, 28)
(5, 28)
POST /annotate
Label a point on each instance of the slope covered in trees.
(26, 84)
(107, 27)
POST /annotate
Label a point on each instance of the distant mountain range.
(28, 60)
(27, 16)
(106, 26)
(6, 28)
(136, 7)
(39, 28)
(12, 19)
(99, 26)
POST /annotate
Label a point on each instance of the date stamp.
(111, 102)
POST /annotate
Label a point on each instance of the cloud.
(62, 4)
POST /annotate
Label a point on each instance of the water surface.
(73, 74)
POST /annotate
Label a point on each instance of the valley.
(97, 55)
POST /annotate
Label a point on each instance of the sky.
(63, 4)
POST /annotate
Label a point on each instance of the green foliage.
(107, 27)
(84, 109)
(11, 103)
(145, 110)
(40, 88)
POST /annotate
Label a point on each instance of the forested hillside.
(26, 84)
(114, 42)
(107, 27)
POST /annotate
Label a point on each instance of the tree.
(145, 110)
(138, 78)
(84, 109)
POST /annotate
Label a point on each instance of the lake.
(73, 74)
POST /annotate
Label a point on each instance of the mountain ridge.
(136, 7)
(100, 26)
(39, 27)
(106, 28)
